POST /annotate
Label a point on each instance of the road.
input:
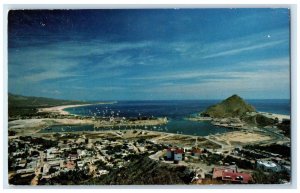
(40, 164)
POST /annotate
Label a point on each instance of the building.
(101, 172)
(268, 166)
(179, 155)
(239, 178)
(70, 165)
(73, 157)
(218, 171)
(196, 152)
(80, 164)
(230, 174)
(170, 154)
(32, 164)
(53, 164)
(26, 171)
(81, 153)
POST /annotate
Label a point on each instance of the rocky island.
(235, 112)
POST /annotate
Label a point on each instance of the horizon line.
(110, 100)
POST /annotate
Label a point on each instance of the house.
(179, 155)
(32, 164)
(22, 163)
(81, 153)
(218, 171)
(70, 165)
(73, 157)
(80, 164)
(196, 152)
(268, 166)
(26, 171)
(170, 154)
(240, 178)
(101, 172)
(53, 164)
(52, 153)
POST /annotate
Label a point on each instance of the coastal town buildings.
(45, 159)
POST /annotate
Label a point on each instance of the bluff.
(233, 106)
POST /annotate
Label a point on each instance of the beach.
(61, 109)
(280, 117)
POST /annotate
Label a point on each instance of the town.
(60, 158)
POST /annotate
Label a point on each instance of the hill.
(30, 101)
(145, 171)
(233, 106)
(141, 170)
(28, 105)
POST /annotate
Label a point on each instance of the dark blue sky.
(149, 54)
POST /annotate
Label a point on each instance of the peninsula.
(235, 112)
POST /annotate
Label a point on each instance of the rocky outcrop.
(233, 106)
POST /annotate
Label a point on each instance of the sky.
(149, 54)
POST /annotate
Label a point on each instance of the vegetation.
(282, 150)
(75, 177)
(261, 177)
(27, 106)
(245, 164)
(233, 106)
(259, 120)
(39, 141)
(143, 170)
(19, 180)
(213, 158)
(285, 127)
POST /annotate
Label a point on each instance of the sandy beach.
(61, 109)
(280, 117)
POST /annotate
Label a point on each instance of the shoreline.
(275, 115)
(61, 109)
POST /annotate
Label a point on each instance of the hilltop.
(233, 106)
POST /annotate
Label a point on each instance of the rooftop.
(267, 163)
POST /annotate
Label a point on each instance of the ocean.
(175, 111)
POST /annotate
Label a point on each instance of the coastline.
(61, 109)
(236, 123)
(276, 115)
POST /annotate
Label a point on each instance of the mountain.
(233, 106)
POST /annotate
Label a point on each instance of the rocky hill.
(233, 106)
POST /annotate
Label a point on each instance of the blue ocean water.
(175, 111)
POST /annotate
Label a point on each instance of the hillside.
(233, 106)
(29, 101)
(141, 170)
(144, 171)
(27, 105)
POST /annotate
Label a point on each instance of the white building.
(268, 166)
(178, 155)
